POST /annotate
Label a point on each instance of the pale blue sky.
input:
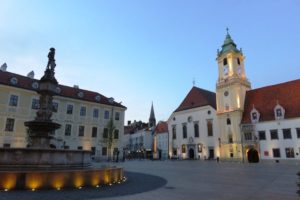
(139, 51)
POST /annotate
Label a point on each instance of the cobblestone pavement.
(196, 180)
(180, 180)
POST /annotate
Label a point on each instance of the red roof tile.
(198, 97)
(265, 99)
(66, 91)
(161, 127)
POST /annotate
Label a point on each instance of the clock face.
(225, 70)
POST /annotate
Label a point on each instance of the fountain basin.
(35, 158)
(59, 179)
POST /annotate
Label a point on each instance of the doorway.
(252, 156)
(211, 154)
(191, 153)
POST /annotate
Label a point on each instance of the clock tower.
(231, 88)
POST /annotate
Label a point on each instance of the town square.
(142, 100)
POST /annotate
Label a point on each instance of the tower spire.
(152, 120)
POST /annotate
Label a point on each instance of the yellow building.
(83, 115)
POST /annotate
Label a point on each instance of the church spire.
(152, 120)
(228, 45)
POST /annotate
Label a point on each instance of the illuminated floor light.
(79, 188)
(5, 189)
(97, 186)
(57, 188)
(110, 184)
(33, 189)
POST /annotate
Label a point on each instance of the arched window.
(225, 61)
(228, 121)
(184, 131)
(196, 129)
(174, 132)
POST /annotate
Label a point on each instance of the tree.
(109, 140)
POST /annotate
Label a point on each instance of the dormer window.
(279, 112)
(254, 115)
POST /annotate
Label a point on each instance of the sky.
(144, 51)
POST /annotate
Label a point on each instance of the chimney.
(128, 123)
(76, 86)
(3, 67)
(31, 75)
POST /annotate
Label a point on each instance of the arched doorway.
(252, 155)
(191, 153)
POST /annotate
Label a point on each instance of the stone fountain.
(40, 166)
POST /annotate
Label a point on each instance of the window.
(298, 132)
(9, 126)
(225, 61)
(81, 131)
(248, 136)
(230, 140)
(174, 132)
(116, 134)
(94, 132)
(105, 133)
(54, 106)
(276, 153)
(117, 116)
(82, 111)
(262, 135)
(254, 116)
(183, 148)
(79, 147)
(238, 61)
(13, 101)
(35, 104)
(289, 152)
(104, 151)
(274, 134)
(196, 130)
(66, 147)
(278, 112)
(93, 151)
(68, 129)
(6, 145)
(115, 151)
(184, 131)
(209, 128)
(96, 113)
(106, 114)
(287, 133)
(69, 109)
(228, 121)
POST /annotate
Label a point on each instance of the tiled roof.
(161, 127)
(65, 91)
(198, 97)
(265, 99)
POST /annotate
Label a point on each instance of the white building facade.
(193, 128)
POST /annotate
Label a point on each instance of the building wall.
(162, 144)
(266, 146)
(24, 112)
(198, 115)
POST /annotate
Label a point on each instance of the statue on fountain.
(51, 61)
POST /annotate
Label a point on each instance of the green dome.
(228, 46)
